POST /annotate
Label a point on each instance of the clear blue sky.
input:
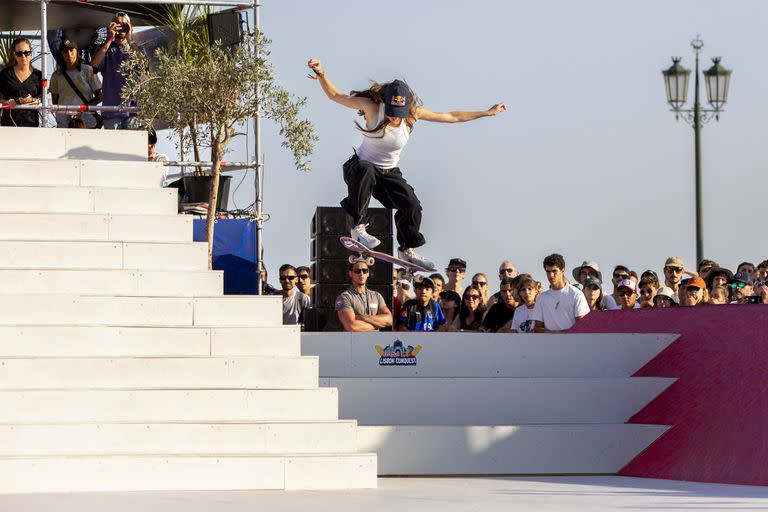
(587, 161)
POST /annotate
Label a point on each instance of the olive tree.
(222, 88)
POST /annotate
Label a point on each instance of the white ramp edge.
(506, 450)
(60, 143)
(493, 401)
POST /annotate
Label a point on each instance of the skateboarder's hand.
(497, 109)
(314, 65)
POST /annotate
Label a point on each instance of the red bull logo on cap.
(398, 101)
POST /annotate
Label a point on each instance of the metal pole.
(697, 45)
(44, 61)
(258, 178)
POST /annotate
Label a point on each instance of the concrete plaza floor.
(426, 494)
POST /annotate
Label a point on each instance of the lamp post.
(717, 79)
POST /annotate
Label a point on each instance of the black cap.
(397, 99)
(68, 44)
(450, 295)
(457, 262)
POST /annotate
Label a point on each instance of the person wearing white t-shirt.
(560, 307)
(528, 290)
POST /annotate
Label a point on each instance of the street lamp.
(717, 79)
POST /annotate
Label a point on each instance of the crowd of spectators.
(73, 83)
(521, 304)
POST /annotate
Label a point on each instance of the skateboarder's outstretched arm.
(365, 105)
(458, 116)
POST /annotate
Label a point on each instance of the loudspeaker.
(225, 27)
(333, 220)
(327, 271)
(327, 321)
(324, 295)
(328, 246)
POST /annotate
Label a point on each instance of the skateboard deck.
(359, 248)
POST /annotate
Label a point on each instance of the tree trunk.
(217, 150)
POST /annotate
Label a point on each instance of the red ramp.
(718, 408)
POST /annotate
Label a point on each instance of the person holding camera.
(108, 59)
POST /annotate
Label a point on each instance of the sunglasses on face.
(455, 269)
(506, 271)
(692, 289)
(287, 278)
(737, 285)
(646, 291)
(20, 53)
(479, 283)
(303, 276)
(625, 293)
(360, 271)
(673, 270)
(621, 276)
(472, 297)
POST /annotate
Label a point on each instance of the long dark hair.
(375, 93)
(60, 59)
(464, 311)
(14, 44)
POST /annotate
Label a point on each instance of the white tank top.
(384, 152)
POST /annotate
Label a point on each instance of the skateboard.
(365, 252)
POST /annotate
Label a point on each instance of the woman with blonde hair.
(390, 111)
(694, 293)
(21, 84)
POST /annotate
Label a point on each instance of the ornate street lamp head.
(676, 83)
(717, 79)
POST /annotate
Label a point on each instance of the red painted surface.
(718, 408)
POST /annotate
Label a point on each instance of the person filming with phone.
(108, 59)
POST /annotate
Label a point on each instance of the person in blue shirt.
(422, 313)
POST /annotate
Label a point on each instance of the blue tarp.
(234, 252)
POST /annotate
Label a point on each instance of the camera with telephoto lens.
(753, 299)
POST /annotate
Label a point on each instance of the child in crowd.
(719, 295)
(421, 313)
(528, 289)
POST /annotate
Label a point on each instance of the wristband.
(110, 39)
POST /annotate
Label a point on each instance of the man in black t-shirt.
(502, 312)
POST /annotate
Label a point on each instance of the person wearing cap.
(456, 270)
(588, 269)
(501, 313)
(107, 60)
(83, 79)
(620, 273)
(506, 269)
(359, 308)
(560, 307)
(592, 288)
(695, 292)
(390, 110)
(665, 298)
(673, 274)
(421, 313)
(741, 288)
(627, 293)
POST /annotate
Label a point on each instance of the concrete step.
(186, 473)
(493, 401)
(30, 254)
(227, 311)
(178, 438)
(161, 406)
(111, 145)
(108, 341)
(523, 449)
(63, 199)
(80, 173)
(236, 372)
(112, 282)
(485, 355)
(84, 227)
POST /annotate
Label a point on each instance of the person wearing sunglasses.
(674, 269)
(21, 84)
(647, 288)
(620, 273)
(294, 302)
(358, 308)
(471, 310)
(108, 59)
(422, 313)
(390, 110)
(695, 292)
(627, 292)
(741, 288)
(507, 269)
(80, 85)
(304, 280)
(705, 267)
(480, 281)
(456, 270)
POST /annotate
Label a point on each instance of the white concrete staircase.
(123, 367)
(495, 403)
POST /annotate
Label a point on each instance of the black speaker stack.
(330, 260)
